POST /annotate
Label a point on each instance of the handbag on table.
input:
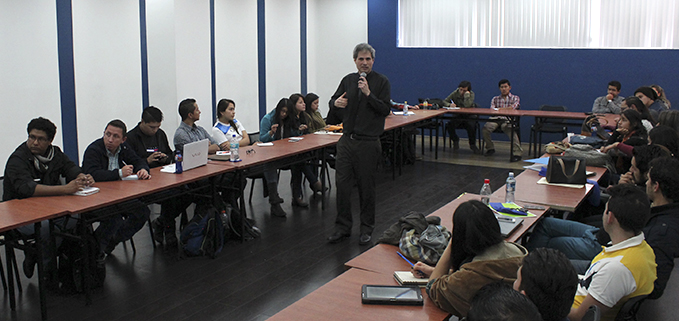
(566, 170)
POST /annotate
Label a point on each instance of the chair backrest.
(592, 314)
(551, 108)
(254, 137)
(629, 310)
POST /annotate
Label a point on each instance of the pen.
(411, 264)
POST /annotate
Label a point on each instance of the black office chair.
(593, 314)
(446, 128)
(629, 310)
(433, 127)
(546, 125)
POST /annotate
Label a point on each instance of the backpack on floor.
(204, 235)
(71, 265)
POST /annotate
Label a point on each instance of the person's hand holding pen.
(127, 170)
(416, 273)
(422, 270)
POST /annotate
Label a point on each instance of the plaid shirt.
(511, 101)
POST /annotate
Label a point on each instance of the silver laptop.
(195, 154)
(508, 224)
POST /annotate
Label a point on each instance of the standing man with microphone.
(365, 97)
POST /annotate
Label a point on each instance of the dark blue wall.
(569, 77)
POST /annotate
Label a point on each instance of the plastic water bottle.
(510, 186)
(594, 131)
(405, 108)
(233, 146)
(485, 192)
(178, 162)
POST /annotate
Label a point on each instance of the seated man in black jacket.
(149, 141)
(110, 159)
(34, 169)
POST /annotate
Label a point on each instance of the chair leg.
(2, 276)
(153, 241)
(252, 188)
(134, 249)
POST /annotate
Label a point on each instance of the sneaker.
(489, 152)
(474, 149)
(299, 202)
(516, 158)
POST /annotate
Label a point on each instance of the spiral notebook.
(407, 278)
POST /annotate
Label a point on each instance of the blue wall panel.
(570, 77)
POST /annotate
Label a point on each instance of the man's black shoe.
(29, 264)
(277, 210)
(516, 158)
(337, 237)
(364, 239)
(456, 144)
(490, 152)
(158, 231)
(475, 149)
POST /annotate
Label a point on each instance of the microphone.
(363, 74)
(359, 92)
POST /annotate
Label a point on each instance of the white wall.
(162, 75)
(282, 50)
(29, 85)
(192, 52)
(334, 28)
(107, 59)
(106, 53)
(236, 58)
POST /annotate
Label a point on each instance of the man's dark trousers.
(357, 163)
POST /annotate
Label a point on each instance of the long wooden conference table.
(340, 298)
(34, 210)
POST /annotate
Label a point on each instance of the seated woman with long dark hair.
(227, 125)
(476, 255)
(315, 118)
(630, 131)
(298, 126)
(635, 103)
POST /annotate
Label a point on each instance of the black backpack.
(204, 235)
(71, 265)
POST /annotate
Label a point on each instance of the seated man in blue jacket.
(110, 158)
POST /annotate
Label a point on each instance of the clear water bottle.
(510, 186)
(594, 131)
(485, 192)
(178, 162)
(405, 108)
(233, 147)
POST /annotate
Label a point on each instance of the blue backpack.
(204, 235)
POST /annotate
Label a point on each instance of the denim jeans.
(574, 239)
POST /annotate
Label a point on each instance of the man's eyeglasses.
(40, 139)
(250, 151)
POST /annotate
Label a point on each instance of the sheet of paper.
(543, 181)
(265, 144)
(85, 191)
(168, 168)
(131, 178)
(401, 113)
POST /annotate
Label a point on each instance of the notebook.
(407, 278)
(195, 154)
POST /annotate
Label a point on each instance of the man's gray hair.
(364, 47)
